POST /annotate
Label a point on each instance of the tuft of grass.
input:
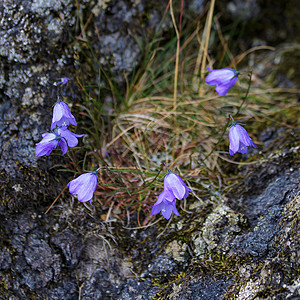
(167, 114)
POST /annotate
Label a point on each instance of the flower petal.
(234, 141)
(252, 144)
(243, 135)
(45, 148)
(223, 78)
(69, 136)
(84, 186)
(174, 183)
(88, 188)
(160, 198)
(239, 140)
(220, 76)
(46, 145)
(62, 115)
(223, 89)
(156, 209)
(75, 184)
(57, 115)
(64, 147)
(242, 148)
(175, 211)
(167, 210)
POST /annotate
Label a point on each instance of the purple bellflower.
(84, 186)
(239, 139)
(174, 187)
(49, 142)
(62, 115)
(224, 79)
(69, 136)
(165, 204)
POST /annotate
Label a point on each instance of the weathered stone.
(70, 245)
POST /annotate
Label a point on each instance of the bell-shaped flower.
(224, 79)
(62, 115)
(175, 185)
(69, 136)
(165, 204)
(84, 186)
(49, 142)
(239, 139)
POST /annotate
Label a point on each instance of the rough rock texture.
(119, 30)
(36, 265)
(248, 250)
(41, 42)
(33, 39)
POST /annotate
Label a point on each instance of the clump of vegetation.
(168, 116)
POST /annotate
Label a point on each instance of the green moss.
(165, 287)
(214, 265)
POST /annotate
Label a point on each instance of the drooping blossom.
(50, 142)
(69, 136)
(165, 204)
(63, 80)
(239, 139)
(174, 188)
(224, 79)
(62, 115)
(84, 186)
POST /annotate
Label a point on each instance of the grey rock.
(98, 286)
(32, 40)
(5, 260)
(136, 289)
(123, 25)
(71, 246)
(200, 289)
(65, 289)
(162, 266)
(21, 39)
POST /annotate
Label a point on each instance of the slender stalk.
(228, 121)
(246, 95)
(55, 200)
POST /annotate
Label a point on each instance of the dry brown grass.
(171, 116)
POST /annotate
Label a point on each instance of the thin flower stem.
(55, 200)
(168, 170)
(227, 123)
(246, 95)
